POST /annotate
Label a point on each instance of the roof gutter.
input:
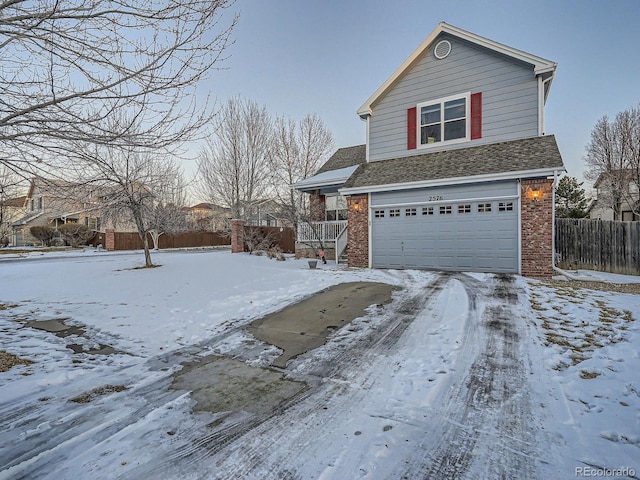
(541, 172)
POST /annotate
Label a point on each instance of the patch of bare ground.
(633, 288)
(581, 337)
(87, 397)
(9, 360)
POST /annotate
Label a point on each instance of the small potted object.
(313, 263)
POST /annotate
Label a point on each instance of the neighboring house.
(207, 217)
(54, 203)
(456, 172)
(11, 209)
(602, 205)
(265, 213)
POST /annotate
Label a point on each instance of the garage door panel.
(471, 238)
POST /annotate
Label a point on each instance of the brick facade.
(317, 206)
(537, 228)
(237, 236)
(358, 241)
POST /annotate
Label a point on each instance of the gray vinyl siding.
(509, 98)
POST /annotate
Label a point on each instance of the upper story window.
(444, 120)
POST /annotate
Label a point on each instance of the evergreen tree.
(570, 199)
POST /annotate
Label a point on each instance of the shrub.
(75, 234)
(43, 233)
(276, 252)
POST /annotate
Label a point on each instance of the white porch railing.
(320, 231)
(325, 233)
(341, 243)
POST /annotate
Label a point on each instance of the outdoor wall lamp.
(356, 207)
(534, 195)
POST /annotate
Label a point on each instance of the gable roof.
(336, 170)
(525, 158)
(345, 157)
(18, 202)
(540, 65)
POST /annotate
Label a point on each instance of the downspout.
(553, 219)
(553, 240)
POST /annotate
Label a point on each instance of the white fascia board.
(540, 172)
(540, 65)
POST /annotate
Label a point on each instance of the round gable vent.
(442, 50)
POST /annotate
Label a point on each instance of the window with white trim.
(378, 213)
(466, 208)
(505, 206)
(484, 207)
(445, 210)
(394, 212)
(444, 120)
(427, 210)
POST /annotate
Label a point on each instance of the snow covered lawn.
(470, 375)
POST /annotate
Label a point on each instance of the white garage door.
(461, 228)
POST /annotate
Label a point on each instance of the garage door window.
(505, 206)
(464, 208)
(410, 212)
(427, 210)
(484, 207)
(378, 213)
(445, 210)
(394, 212)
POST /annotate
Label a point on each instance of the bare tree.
(133, 185)
(613, 160)
(68, 66)
(10, 187)
(605, 160)
(233, 167)
(299, 149)
(629, 124)
(166, 214)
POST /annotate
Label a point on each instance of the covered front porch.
(329, 236)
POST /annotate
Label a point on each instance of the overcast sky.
(327, 57)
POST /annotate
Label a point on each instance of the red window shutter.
(476, 115)
(411, 128)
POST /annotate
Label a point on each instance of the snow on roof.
(332, 177)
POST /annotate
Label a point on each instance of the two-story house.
(456, 173)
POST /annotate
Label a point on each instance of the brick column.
(317, 206)
(237, 235)
(537, 227)
(358, 241)
(109, 240)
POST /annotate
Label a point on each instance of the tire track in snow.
(484, 426)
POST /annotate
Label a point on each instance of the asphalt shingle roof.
(345, 157)
(513, 156)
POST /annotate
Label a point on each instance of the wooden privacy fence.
(132, 241)
(284, 237)
(603, 245)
